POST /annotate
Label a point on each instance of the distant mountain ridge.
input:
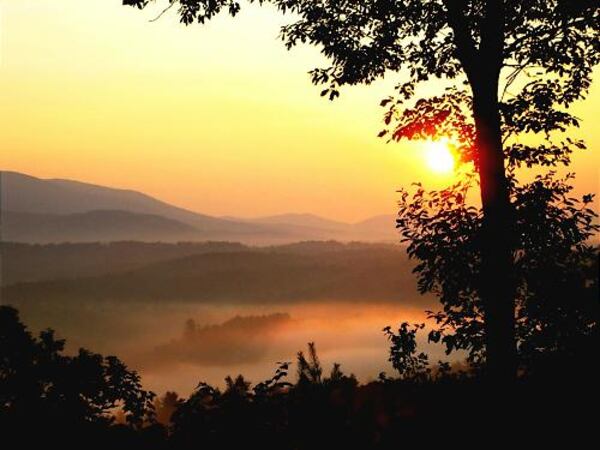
(27, 194)
(95, 225)
(300, 220)
(39, 210)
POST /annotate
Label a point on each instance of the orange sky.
(219, 119)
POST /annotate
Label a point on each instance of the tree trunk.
(482, 64)
(496, 283)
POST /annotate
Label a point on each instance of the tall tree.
(511, 67)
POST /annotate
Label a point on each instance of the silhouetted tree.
(555, 268)
(51, 400)
(53, 394)
(403, 352)
(165, 406)
(309, 370)
(511, 67)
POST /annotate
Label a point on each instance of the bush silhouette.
(51, 399)
(60, 397)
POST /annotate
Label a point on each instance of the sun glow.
(439, 156)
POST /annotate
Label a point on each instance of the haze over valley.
(184, 297)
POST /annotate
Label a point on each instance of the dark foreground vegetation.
(50, 399)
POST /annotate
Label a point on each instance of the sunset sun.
(439, 156)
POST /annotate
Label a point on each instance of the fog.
(174, 346)
(185, 313)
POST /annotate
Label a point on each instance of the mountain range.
(35, 210)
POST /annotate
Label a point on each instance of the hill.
(68, 204)
(92, 226)
(251, 275)
(39, 210)
(35, 262)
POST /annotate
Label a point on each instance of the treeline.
(300, 272)
(43, 262)
(91, 401)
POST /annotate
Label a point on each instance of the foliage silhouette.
(68, 397)
(309, 370)
(555, 266)
(49, 399)
(166, 406)
(511, 67)
(403, 351)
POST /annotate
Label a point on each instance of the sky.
(219, 118)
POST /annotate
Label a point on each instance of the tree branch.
(466, 50)
(162, 13)
(538, 32)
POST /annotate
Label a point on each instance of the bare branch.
(162, 13)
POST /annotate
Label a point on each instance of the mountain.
(382, 225)
(92, 226)
(56, 210)
(301, 220)
(377, 228)
(26, 194)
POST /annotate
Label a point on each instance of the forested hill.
(215, 272)
(35, 262)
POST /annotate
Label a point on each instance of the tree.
(555, 269)
(512, 67)
(41, 386)
(165, 406)
(403, 352)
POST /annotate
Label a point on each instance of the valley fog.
(175, 346)
(190, 312)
